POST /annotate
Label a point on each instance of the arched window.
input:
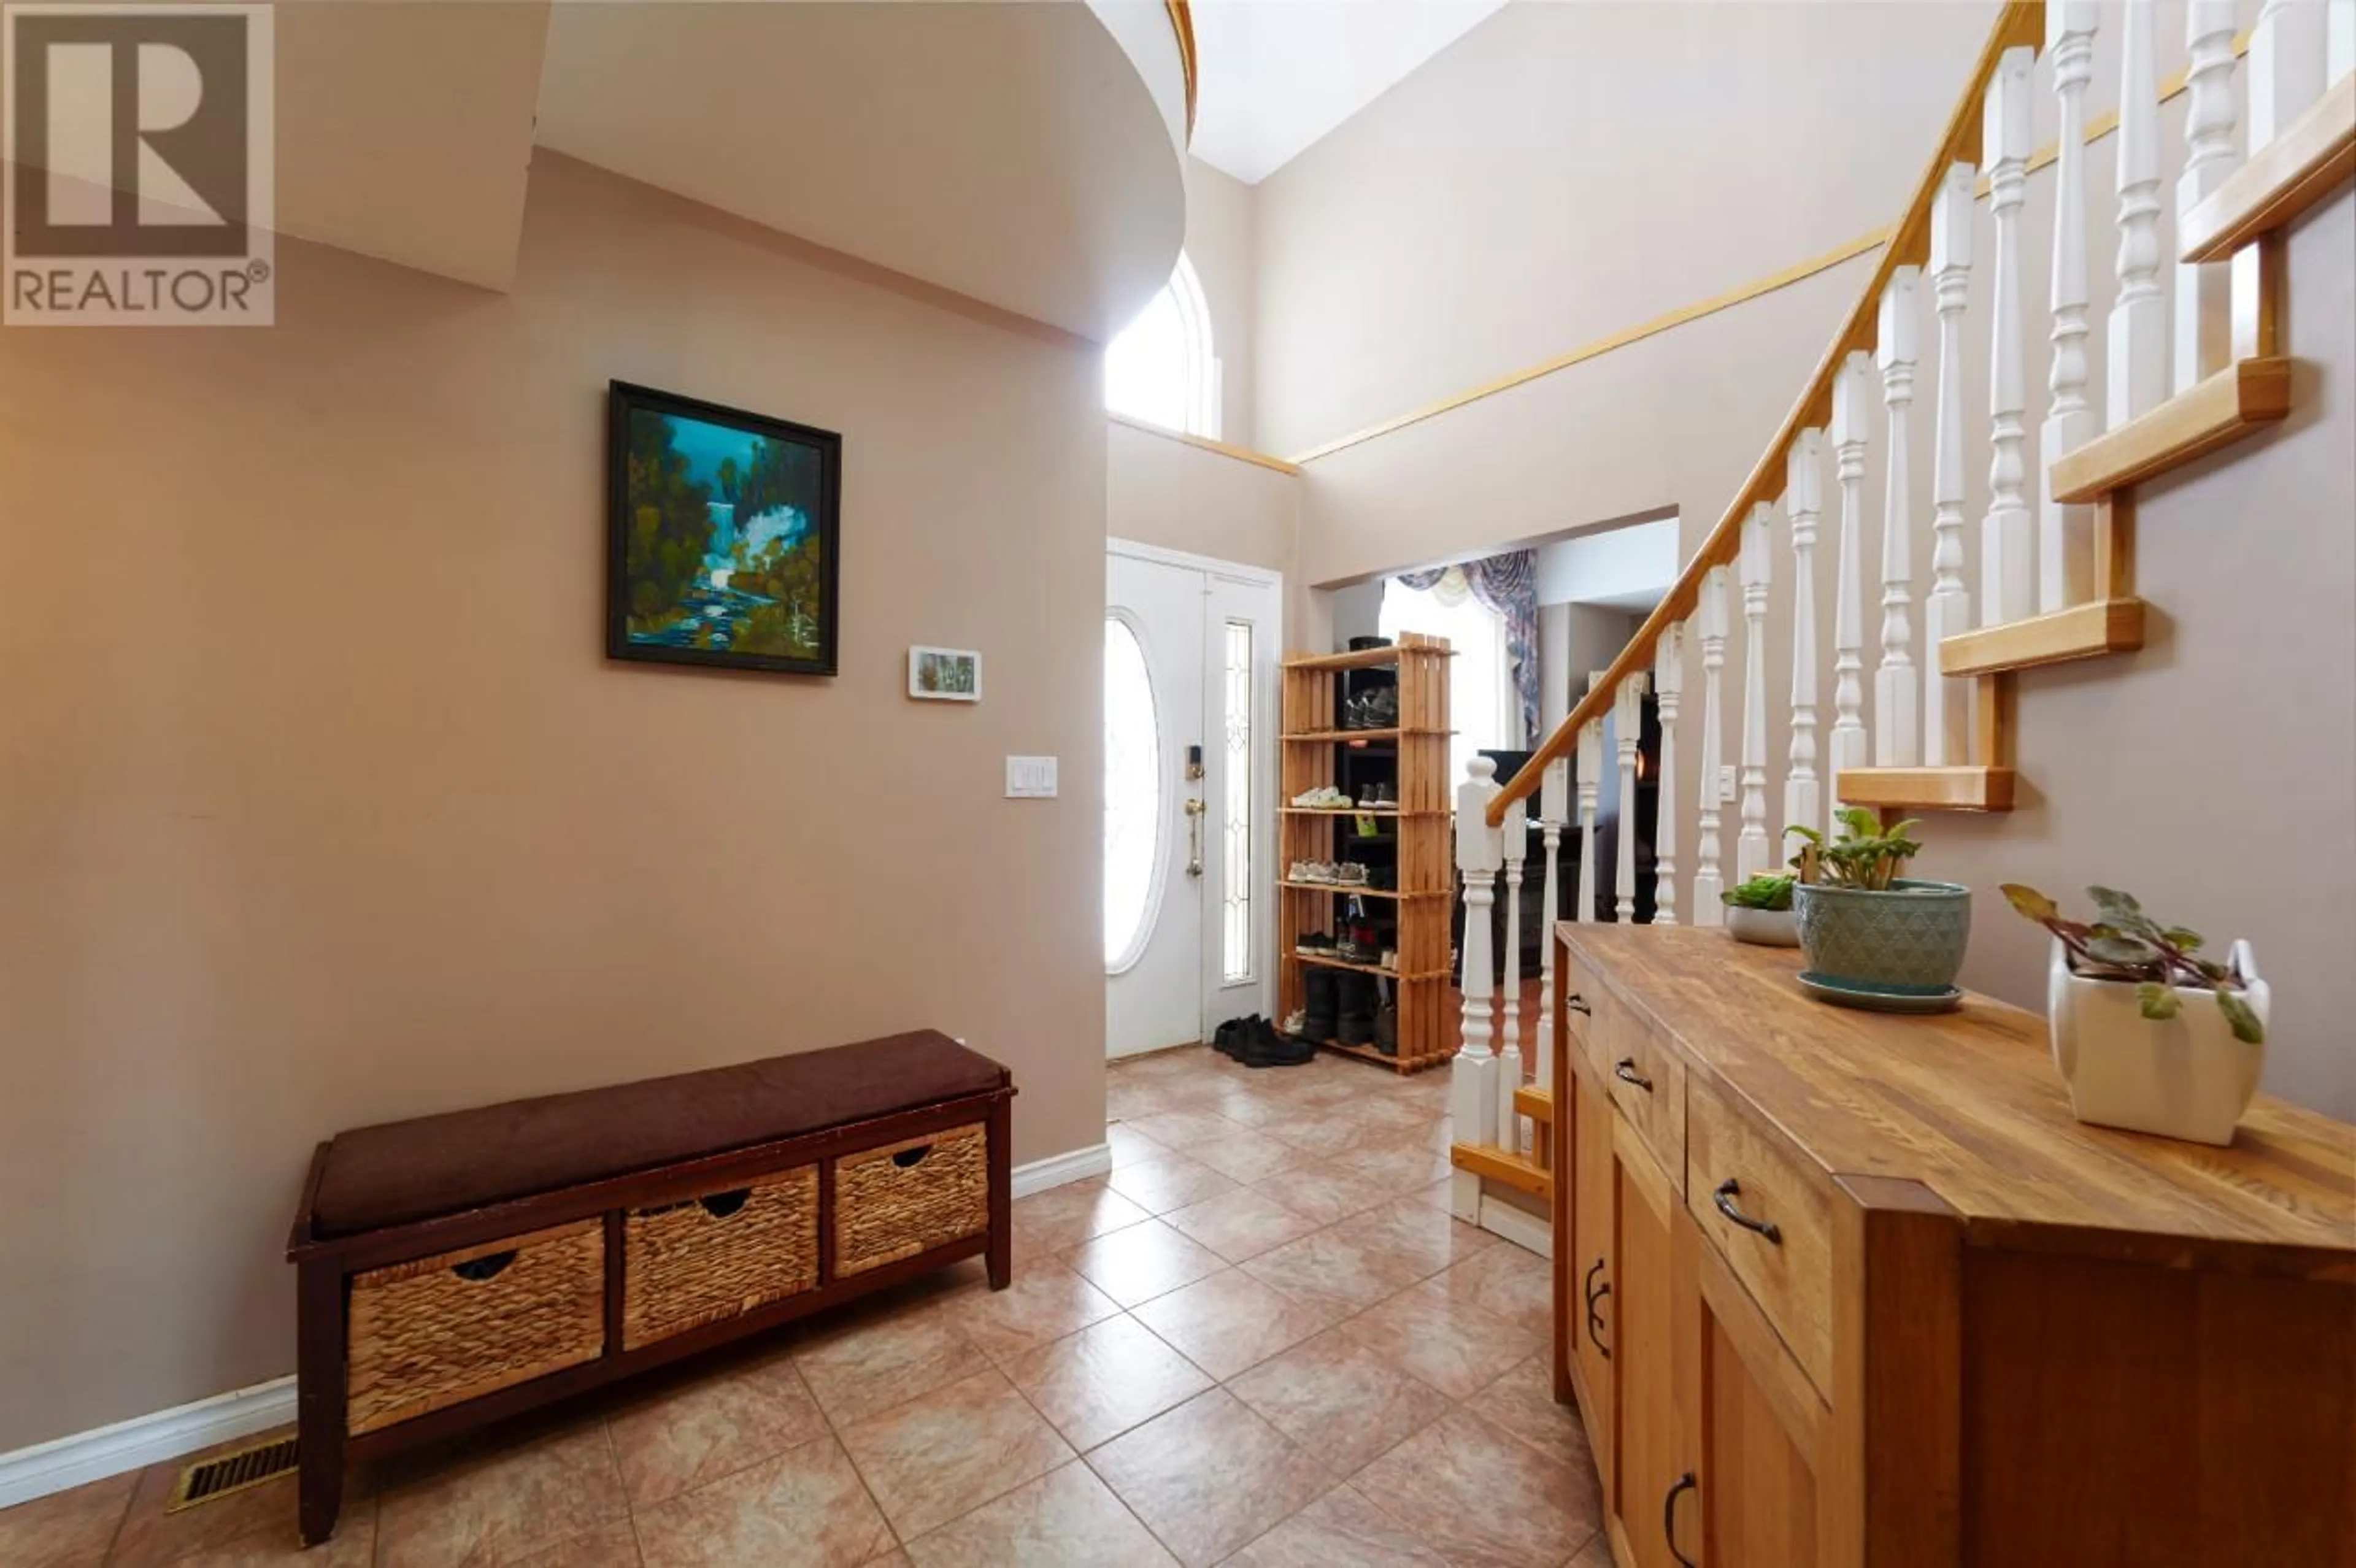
(1161, 368)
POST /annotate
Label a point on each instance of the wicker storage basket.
(444, 1329)
(697, 1262)
(896, 1201)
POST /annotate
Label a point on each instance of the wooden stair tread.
(1974, 788)
(2080, 632)
(2239, 399)
(1515, 1171)
(2281, 180)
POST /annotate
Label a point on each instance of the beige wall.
(319, 804)
(1220, 241)
(1163, 490)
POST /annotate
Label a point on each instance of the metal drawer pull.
(1578, 1004)
(1626, 1073)
(1596, 1293)
(1727, 1191)
(1685, 1482)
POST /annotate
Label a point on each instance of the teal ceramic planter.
(1912, 934)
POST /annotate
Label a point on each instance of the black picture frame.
(626, 402)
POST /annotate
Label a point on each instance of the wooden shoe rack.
(1411, 839)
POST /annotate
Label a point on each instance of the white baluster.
(2339, 40)
(1554, 783)
(2287, 50)
(2008, 532)
(1804, 497)
(2204, 302)
(1750, 850)
(1628, 732)
(1516, 832)
(1668, 684)
(1472, 1086)
(1591, 778)
(1708, 882)
(1852, 424)
(2136, 353)
(1897, 694)
(1947, 704)
(2065, 533)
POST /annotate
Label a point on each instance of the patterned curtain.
(1508, 584)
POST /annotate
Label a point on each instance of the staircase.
(2190, 361)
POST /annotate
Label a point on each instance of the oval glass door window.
(1132, 826)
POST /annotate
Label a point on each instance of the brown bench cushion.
(404, 1171)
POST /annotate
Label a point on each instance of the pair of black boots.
(1321, 1003)
(1255, 1042)
(1359, 997)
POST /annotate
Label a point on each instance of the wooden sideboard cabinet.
(1836, 1289)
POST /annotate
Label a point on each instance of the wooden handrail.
(1181, 22)
(2021, 22)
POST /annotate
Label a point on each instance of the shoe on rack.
(1385, 797)
(1294, 1022)
(1314, 944)
(1389, 960)
(1387, 1030)
(1382, 707)
(1320, 994)
(1325, 797)
(1351, 874)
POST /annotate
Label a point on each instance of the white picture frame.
(943, 675)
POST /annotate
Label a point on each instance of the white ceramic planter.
(1767, 927)
(2186, 1077)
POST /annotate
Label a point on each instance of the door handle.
(1685, 1483)
(1596, 1293)
(1194, 809)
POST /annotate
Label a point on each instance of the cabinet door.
(1649, 1477)
(1587, 1313)
(1761, 1424)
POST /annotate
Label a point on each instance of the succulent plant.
(1866, 855)
(1762, 891)
(2127, 945)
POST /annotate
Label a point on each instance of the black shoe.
(1228, 1038)
(1386, 1030)
(1264, 1047)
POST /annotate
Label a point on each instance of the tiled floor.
(1260, 1341)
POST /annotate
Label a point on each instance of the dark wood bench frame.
(325, 1267)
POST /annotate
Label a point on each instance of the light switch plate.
(1030, 778)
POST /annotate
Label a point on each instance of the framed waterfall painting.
(723, 535)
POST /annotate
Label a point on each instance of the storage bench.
(455, 1269)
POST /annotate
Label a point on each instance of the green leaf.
(1810, 834)
(2116, 905)
(2157, 1002)
(2184, 937)
(2123, 950)
(2246, 1026)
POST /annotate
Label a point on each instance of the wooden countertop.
(1971, 1105)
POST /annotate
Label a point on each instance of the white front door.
(1190, 775)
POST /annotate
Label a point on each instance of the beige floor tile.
(1104, 1380)
(1043, 1302)
(1231, 1321)
(1129, 1146)
(700, 1428)
(933, 1458)
(1240, 1224)
(1142, 1261)
(1064, 1217)
(1171, 1181)
(1066, 1519)
(1344, 1401)
(805, 1508)
(1522, 1402)
(1416, 1238)
(69, 1528)
(877, 1360)
(1481, 1498)
(1209, 1477)
(614, 1546)
(1516, 1286)
(151, 1538)
(1400, 1164)
(503, 1503)
(1321, 1190)
(1433, 1336)
(1181, 1130)
(1326, 1264)
(1244, 1155)
(352, 1546)
(1340, 1529)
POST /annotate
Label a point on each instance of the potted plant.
(1875, 938)
(2149, 1035)
(1760, 911)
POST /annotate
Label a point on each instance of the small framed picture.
(945, 675)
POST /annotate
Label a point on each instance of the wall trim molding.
(67, 1462)
(2098, 127)
(64, 1463)
(1519, 1226)
(1225, 449)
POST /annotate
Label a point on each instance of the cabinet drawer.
(902, 1199)
(1646, 1082)
(713, 1257)
(444, 1329)
(1770, 1219)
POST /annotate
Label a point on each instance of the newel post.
(1472, 1092)
(1515, 835)
(1554, 786)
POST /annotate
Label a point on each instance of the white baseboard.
(68, 1462)
(143, 1440)
(1059, 1170)
(1524, 1230)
